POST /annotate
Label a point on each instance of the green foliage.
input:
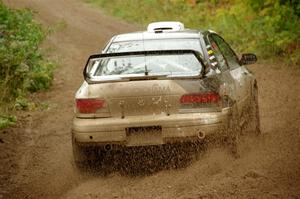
(22, 67)
(266, 27)
(6, 120)
(269, 28)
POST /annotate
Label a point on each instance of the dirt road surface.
(36, 158)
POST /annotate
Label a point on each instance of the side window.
(227, 52)
(222, 63)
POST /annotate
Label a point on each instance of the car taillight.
(89, 105)
(195, 98)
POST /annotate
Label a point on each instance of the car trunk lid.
(144, 97)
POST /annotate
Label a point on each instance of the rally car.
(165, 85)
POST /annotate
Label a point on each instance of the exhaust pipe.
(107, 147)
(201, 135)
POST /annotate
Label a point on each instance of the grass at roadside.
(23, 69)
(269, 28)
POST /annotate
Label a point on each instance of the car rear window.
(157, 44)
(157, 64)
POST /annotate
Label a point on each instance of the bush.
(269, 28)
(5, 121)
(23, 69)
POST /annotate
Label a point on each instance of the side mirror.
(248, 58)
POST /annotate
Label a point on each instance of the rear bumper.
(174, 128)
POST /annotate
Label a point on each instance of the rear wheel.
(233, 132)
(254, 122)
(79, 156)
(84, 157)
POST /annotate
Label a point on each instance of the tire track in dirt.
(268, 168)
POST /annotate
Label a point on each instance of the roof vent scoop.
(165, 26)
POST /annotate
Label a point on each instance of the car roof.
(144, 35)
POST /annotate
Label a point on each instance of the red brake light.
(89, 105)
(210, 97)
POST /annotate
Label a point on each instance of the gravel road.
(36, 158)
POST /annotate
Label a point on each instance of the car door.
(218, 69)
(228, 60)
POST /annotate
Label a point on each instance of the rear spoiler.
(146, 53)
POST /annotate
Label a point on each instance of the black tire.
(233, 132)
(255, 112)
(254, 121)
(78, 154)
(83, 156)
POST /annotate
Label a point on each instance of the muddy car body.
(165, 85)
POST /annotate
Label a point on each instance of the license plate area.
(146, 135)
